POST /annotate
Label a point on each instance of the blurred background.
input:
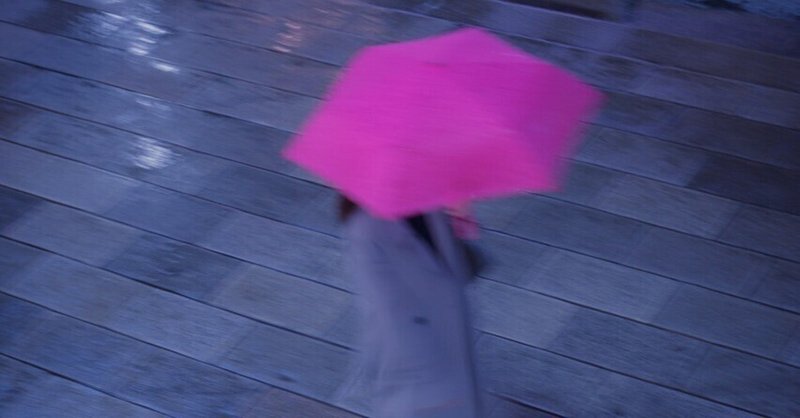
(159, 258)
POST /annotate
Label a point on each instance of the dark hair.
(346, 208)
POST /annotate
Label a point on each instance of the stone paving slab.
(28, 393)
(76, 350)
(766, 230)
(643, 156)
(78, 185)
(734, 63)
(565, 389)
(114, 150)
(517, 314)
(14, 204)
(621, 396)
(668, 206)
(283, 300)
(600, 284)
(742, 138)
(727, 320)
(72, 233)
(764, 104)
(289, 361)
(280, 403)
(721, 26)
(698, 261)
(210, 133)
(779, 287)
(175, 266)
(511, 409)
(755, 384)
(195, 250)
(552, 384)
(629, 347)
(583, 229)
(184, 387)
(168, 213)
(285, 248)
(759, 184)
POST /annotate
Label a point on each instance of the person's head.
(346, 208)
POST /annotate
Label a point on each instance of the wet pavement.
(159, 258)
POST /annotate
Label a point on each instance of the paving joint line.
(158, 347)
(665, 386)
(75, 381)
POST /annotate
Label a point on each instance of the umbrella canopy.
(415, 126)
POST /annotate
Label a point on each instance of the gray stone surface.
(191, 102)
(83, 59)
(247, 63)
(179, 324)
(19, 318)
(749, 65)
(175, 266)
(697, 260)
(600, 285)
(766, 231)
(79, 351)
(116, 150)
(511, 409)
(791, 353)
(729, 321)
(253, 102)
(780, 286)
(73, 288)
(554, 26)
(280, 403)
(628, 347)
(168, 213)
(263, 193)
(72, 233)
(283, 300)
(28, 392)
(14, 256)
(642, 155)
(764, 104)
(76, 185)
(580, 228)
(13, 117)
(509, 259)
(282, 247)
(517, 314)
(759, 184)
(639, 114)
(14, 204)
(180, 386)
(549, 382)
(668, 206)
(623, 396)
(751, 383)
(721, 26)
(496, 214)
(290, 361)
(737, 136)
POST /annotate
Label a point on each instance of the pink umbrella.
(438, 122)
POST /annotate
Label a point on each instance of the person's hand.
(464, 224)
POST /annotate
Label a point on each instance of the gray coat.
(416, 343)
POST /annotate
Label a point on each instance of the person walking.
(409, 132)
(410, 275)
